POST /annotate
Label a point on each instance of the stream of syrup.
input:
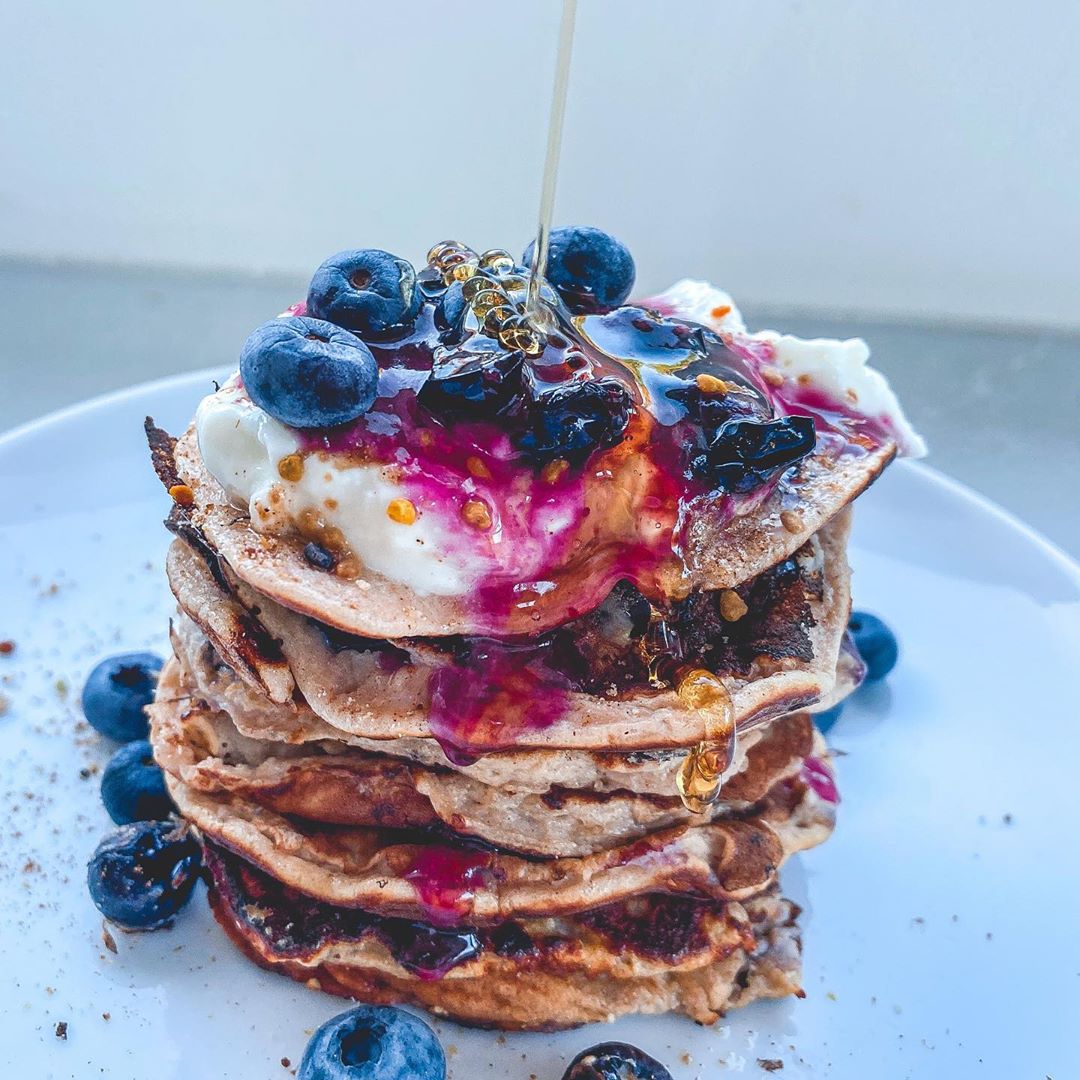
(701, 774)
(534, 306)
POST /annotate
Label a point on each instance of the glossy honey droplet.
(486, 300)
(498, 260)
(701, 774)
(698, 787)
(477, 284)
(463, 269)
(497, 317)
(454, 260)
(517, 335)
(442, 250)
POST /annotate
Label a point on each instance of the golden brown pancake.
(386, 871)
(649, 955)
(332, 782)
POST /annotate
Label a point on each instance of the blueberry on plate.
(133, 786)
(366, 290)
(142, 874)
(373, 1042)
(576, 418)
(590, 269)
(473, 385)
(308, 373)
(615, 1061)
(876, 643)
(825, 720)
(117, 692)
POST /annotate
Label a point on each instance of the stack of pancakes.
(551, 875)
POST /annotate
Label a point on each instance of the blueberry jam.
(490, 693)
(563, 454)
(817, 776)
(445, 880)
(292, 925)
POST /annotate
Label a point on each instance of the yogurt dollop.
(243, 447)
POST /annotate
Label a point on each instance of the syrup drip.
(537, 310)
(700, 776)
(446, 880)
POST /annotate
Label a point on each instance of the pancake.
(349, 684)
(419, 876)
(200, 672)
(718, 553)
(442, 667)
(651, 954)
(331, 782)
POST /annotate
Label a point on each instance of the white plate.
(939, 922)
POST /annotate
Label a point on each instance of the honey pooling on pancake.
(700, 776)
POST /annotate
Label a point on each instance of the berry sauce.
(445, 880)
(492, 692)
(819, 778)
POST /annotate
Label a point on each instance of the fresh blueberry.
(825, 720)
(117, 692)
(590, 269)
(430, 283)
(743, 454)
(308, 373)
(575, 419)
(615, 1061)
(319, 557)
(368, 290)
(373, 1042)
(876, 644)
(473, 384)
(133, 786)
(142, 874)
(450, 313)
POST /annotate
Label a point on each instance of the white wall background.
(893, 156)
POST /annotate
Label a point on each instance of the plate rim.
(1061, 559)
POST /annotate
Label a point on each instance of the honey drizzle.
(701, 774)
(536, 310)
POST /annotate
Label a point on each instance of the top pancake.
(719, 554)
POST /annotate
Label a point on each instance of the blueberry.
(142, 874)
(575, 419)
(319, 557)
(450, 313)
(373, 1042)
(743, 454)
(590, 269)
(367, 290)
(133, 786)
(308, 373)
(825, 720)
(474, 385)
(876, 644)
(116, 693)
(615, 1061)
